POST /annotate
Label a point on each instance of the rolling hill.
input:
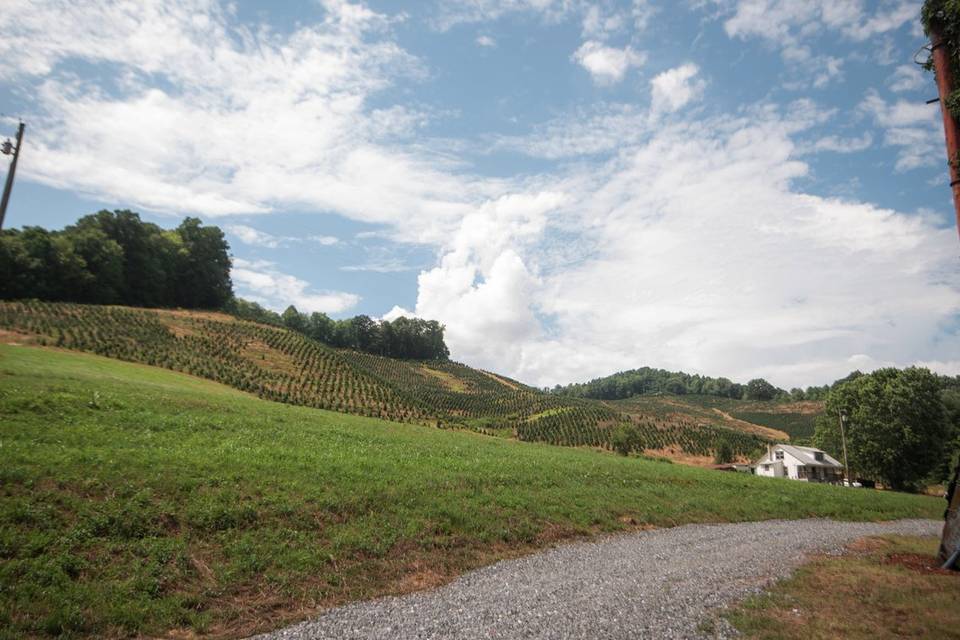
(285, 366)
(138, 501)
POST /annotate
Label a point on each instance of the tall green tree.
(760, 389)
(202, 272)
(293, 319)
(896, 426)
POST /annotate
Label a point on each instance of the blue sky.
(731, 187)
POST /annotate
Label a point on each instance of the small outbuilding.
(799, 463)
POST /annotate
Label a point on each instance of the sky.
(739, 188)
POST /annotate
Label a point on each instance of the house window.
(818, 456)
(778, 455)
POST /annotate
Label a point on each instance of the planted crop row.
(272, 363)
(285, 366)
(699, 440)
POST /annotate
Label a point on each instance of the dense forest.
(114, 257)
(646, 380)
(412, 338)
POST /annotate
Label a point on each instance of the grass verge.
(885, 587)
(136, 500)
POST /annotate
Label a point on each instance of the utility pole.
(843, 439)
(9, 149)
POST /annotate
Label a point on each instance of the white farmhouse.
(799, 463)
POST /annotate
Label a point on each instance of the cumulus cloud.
(694, 250)
(486, 41)
(261, 281)
(607, 65)
(671, 241)
(674, 89)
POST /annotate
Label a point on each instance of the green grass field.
(277, 364)
(136, 500)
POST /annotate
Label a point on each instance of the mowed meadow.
(138, 500)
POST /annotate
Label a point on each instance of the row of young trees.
(407, 338)
(113, 257)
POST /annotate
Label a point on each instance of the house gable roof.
(805, 455)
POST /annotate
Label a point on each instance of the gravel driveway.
(654, 584)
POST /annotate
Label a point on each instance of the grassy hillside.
(795, 419)
(281, 365)
(136, 500)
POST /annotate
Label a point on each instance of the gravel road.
(654, 584)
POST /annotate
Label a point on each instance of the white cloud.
(607, 65)
(792, 26)
(912, 126)
(255, 237)
(393, 265)
(451, 13)
(909, 77)
(685, 243)
(397, 312)
(830, 69)
(486, 41)
(674, 89)
(884, 21)
(950, 368)
(642, 13)
(599, 23)
(251, 236)
(261, 281)
(787, 23)
(240, 121)
(692, 249)
(838, 144)
(602, 129)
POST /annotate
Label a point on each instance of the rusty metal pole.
(950, 540)
(941, 67)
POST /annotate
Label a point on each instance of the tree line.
(113, 257)
(407, 338)
(647, 380)
(650, 381)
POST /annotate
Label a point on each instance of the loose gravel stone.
(655, 584)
